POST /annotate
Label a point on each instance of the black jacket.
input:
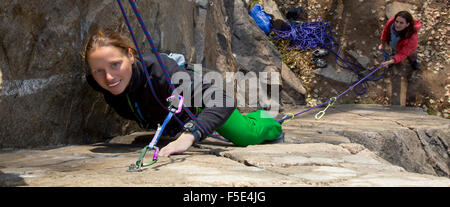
(148, 112)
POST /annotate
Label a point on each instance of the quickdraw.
(137, 167)
(329, 102)
(322, 113)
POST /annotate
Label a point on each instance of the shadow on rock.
(113, 148)
(172, 161)
(11, 180)
(126, 144)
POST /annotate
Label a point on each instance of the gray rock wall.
(404, 136)
(44, 98)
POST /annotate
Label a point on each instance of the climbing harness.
(152, 145)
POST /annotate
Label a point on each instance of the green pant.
(251, 129)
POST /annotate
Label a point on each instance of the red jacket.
(405, 46)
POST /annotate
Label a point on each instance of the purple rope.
(353, 86)
(141, 59)
(158, 57)
(311, 35)
(152, 44)
(163, 67)
(305, 36)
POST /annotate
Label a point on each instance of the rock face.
(316, 153)
(340, 75)
(44, 98)
(395, 7)
(406, 137)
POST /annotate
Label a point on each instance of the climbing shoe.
(320, 52)
(293, 13)
(321, 63)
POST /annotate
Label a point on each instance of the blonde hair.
(106, 38)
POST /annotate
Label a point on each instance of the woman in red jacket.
(401, 34)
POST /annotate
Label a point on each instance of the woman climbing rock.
(114, 70)
(401, 34)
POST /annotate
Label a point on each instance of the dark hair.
(106, 38)
(410, 30)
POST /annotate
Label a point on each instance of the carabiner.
(333, 100)
(291, 115)
(180, 103)
(152, 145)
(320, 114)
(140, 162)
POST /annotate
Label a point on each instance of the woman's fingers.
(164, 152)
(178, 146)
